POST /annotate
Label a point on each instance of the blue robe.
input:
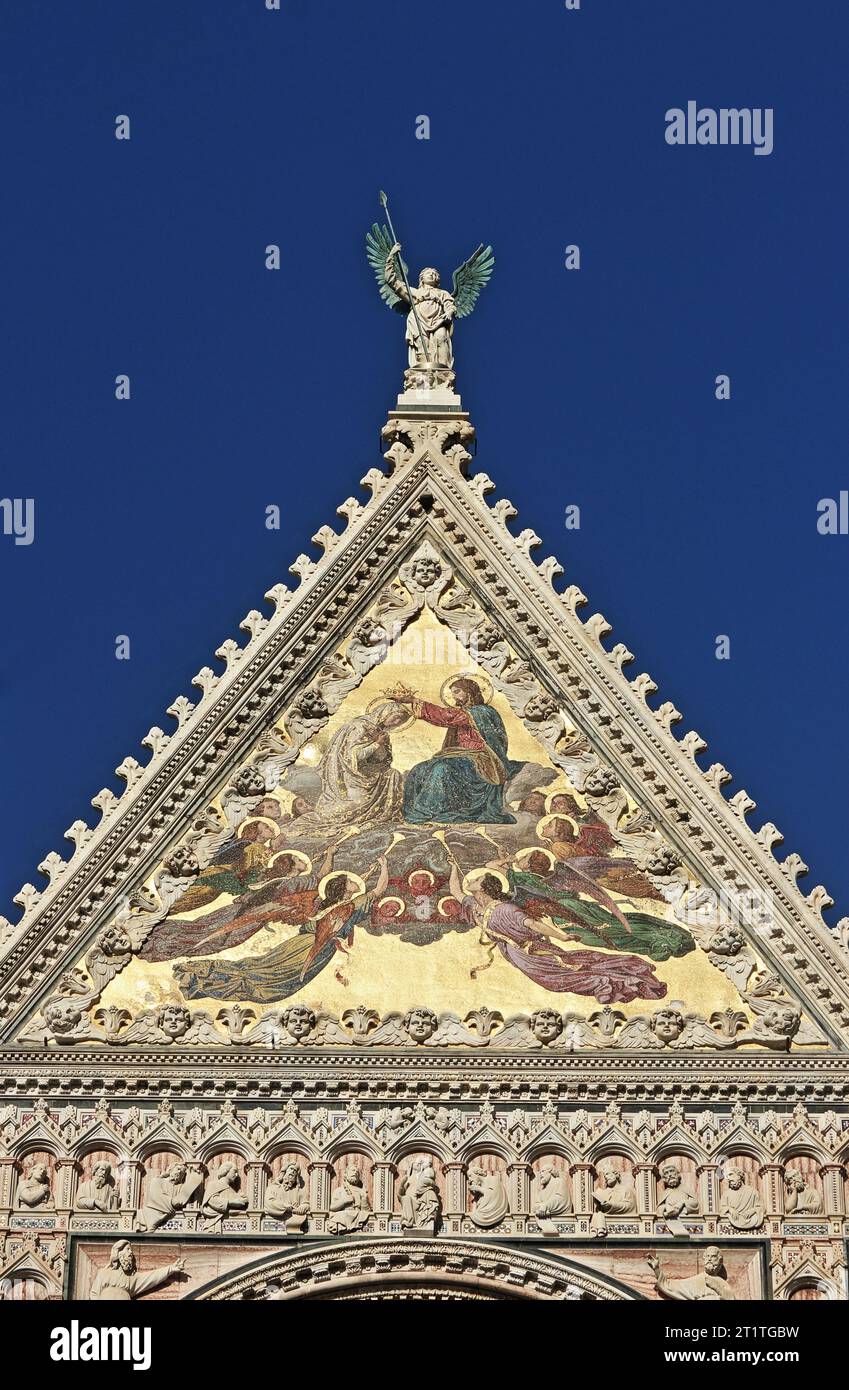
(449, 788)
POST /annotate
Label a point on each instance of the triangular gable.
(691, 935)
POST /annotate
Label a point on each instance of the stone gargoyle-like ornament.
(430, 310)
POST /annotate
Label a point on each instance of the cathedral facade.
(421, 958)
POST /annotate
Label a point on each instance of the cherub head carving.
(420, 1024)
(546, 1025)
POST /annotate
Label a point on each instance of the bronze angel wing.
(378, 245)
(470, 278)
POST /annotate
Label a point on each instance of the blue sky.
(252, 388)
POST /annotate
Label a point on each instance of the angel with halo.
(430, 310)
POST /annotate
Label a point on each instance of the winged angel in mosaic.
(430, 310)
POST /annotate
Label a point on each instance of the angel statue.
(430, 310)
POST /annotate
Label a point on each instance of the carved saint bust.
(741, 1204)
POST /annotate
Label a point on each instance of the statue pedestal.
(424, 401)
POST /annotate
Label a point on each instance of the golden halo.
(558, 815)
(535, 849)
(448, 898)
(257, 820)
(474, 876)
(417, 873)
(292, 854)
(392, 899)
(384, 700)
(346, 873)
(483, 684)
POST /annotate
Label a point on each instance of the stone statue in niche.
(34, 1188)
(800, 1198)
(221, 1196)
(611, 1197)
(421, 1204)
(677, 1200)
(489, 1198)
(98, 1193)
(167, 1195)
(284, 1199)
(120, 1280)
(711, 1286)
(742, 1204)
(552, 1198)
(350, 1208)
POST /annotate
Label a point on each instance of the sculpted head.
(426, 569)
(228, 1173)
(546, 1173)
(734, 1177)
(546, 1025)
(539, 708)
(667, 1023)
(428, 277)
(174, 1020)
(781, 1020)
(290, 1177)
(353, 1175)
(727, 941)
(670, 1173)
(662, 862)
(420, 1024)
(122, 1257)
(249, 781)
(62, 1015)
(39, 1175)
(713, 1261)
(793, 1180)
(298, 1021)
(182, 862)
(114, 941)
(601, 782)
(101, 1174)
(609, 1175)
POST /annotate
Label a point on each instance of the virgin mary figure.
(465, 780)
